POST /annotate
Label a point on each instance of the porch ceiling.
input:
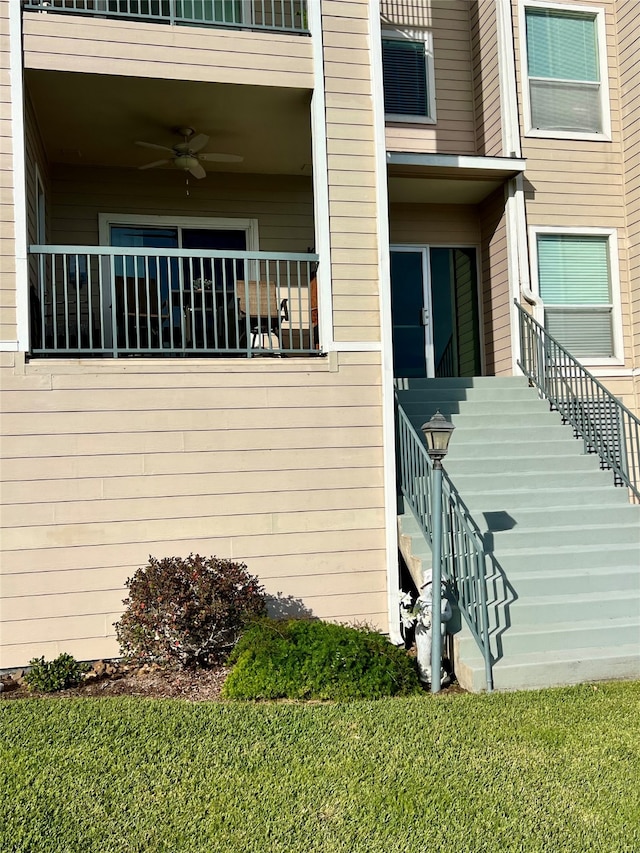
(94, 120)
(447, 179)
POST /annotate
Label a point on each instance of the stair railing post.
(437, 433)
(436, 586)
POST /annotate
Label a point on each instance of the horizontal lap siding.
(109, 462)
(486, 78)
(8, 328)
(630, 99)
(454, 131)
(282, 205)
(580, 183)
(351, 170)
(495, 301)
(75, 43)
(437, 224)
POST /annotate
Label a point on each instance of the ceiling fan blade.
(154, 164)
(221, 158)
(197, 142)
(153, 145)
(197, 171)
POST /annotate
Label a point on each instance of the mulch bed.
(110, 678)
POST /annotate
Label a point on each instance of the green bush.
(187, 612)
(303, 659)
(49, 676)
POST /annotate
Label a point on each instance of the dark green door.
(412, 340)
(434, 303)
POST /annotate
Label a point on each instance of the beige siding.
(131, 48)
(454, 131)
(8, 329)
(351, 162)
(486, 78)
(282, 205)
(495, 295)
(580, 183)
(435, 224)
(628, 32)
(107, 462)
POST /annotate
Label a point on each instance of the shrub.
(187, 612)
(302, 659)
(49, 676)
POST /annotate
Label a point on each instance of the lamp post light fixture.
(437, 433)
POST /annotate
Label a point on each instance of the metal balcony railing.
(605, 425)
(115, 301)
(278, 15)
(464, 558)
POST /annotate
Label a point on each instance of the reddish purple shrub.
(188, 612)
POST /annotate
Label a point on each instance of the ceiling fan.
(186, 155)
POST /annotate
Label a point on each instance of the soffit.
(447, 179)
(95, 119)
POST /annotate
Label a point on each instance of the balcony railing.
(115, 301)
(279, 15)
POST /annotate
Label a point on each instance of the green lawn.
(555, 771)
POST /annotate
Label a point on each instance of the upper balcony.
(255, 42)
(274, 15)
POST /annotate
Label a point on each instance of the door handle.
(425, 316)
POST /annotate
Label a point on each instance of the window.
(565, 62)
(576, 284)
(407, 69)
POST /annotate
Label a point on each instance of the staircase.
(563, 542)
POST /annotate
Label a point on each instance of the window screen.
(404, 66)
(563, 69)
(575, 286)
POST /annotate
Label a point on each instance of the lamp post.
(437, 433)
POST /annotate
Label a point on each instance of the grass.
(555, 771)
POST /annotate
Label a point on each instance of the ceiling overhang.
(447, 178)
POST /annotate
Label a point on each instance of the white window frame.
(416, 35)
(598, 14)
(249, 226)
(614, 272)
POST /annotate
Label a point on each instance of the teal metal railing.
(606, 425)
(118, 301)
(464, 558)
(278, 15)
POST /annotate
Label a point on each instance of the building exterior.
(420, 166)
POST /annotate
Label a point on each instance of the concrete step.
(486, 393)
(544, 518)
(579, 534)
(530, 671)
(584, 607)
(506, 482)
(479, 502)
(564, 636)
(526, 560)
(570, 582)
(495, 465)
(414, 405)
(490, 382)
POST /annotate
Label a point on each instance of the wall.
(8, 329)
(627, 21)
(496, 299)
(486, 78)
(573, 182)
(278, 462)
(133, 48)
(449, 22)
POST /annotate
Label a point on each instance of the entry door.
(411, 312)
(434, 303)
